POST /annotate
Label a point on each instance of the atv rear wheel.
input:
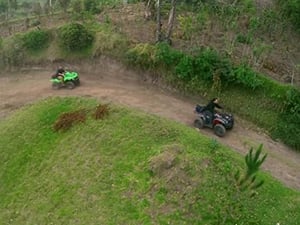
(199, 123)
(219, 130)
(70, 85)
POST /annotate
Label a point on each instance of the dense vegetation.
(125, 167)
(206, 68)
(291, 9)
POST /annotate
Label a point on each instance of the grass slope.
(129, 168)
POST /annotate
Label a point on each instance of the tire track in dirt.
(110, 82)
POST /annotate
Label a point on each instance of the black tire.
(230, 126)
(199, 123)
(219, 130)
(55, 86)
(77, 82)
(70, 85)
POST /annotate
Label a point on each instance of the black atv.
(220, 122)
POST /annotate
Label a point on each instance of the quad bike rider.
(208, 117)
(64, 78)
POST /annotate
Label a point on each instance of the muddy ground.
(111, 82)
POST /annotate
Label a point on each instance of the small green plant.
(214, 145)
(186, 26)
(247, 182)
(245, 39)
(75, 37)
(244, 186)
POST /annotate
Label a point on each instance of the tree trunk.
(158, 18)
(171, 19)
(148, 13)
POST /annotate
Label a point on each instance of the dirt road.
(111, 82)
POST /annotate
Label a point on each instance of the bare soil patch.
(111, 82)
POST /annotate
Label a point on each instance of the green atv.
(70, 80)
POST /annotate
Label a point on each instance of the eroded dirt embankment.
(111, 82)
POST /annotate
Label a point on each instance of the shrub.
(142, 55)
(66, 120)
(77, 6)
(247, 77)
(12, 51)
(186, 24)
(110, 43)
(168, 56)
(288, 129)
(207, 62)
(101, 111)
(91, 6)
(184, 69)
(36, 40)
(292, 102)
(291, 9)
(74, 37)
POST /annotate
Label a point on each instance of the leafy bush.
(91, 6)
(292, 102)
(74, 37)
(291, 9)
(167, 55)
(36, 40)
(184, 69)
(247, 77)
(288, 129)
(207, 62)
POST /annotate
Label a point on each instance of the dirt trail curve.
(111, 82)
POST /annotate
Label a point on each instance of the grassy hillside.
(127, 168)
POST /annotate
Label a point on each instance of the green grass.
(112, 171)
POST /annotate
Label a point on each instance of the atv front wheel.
(55, 86)
(199, 123)
(77, 82)
(219, 130)
(70, 85)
